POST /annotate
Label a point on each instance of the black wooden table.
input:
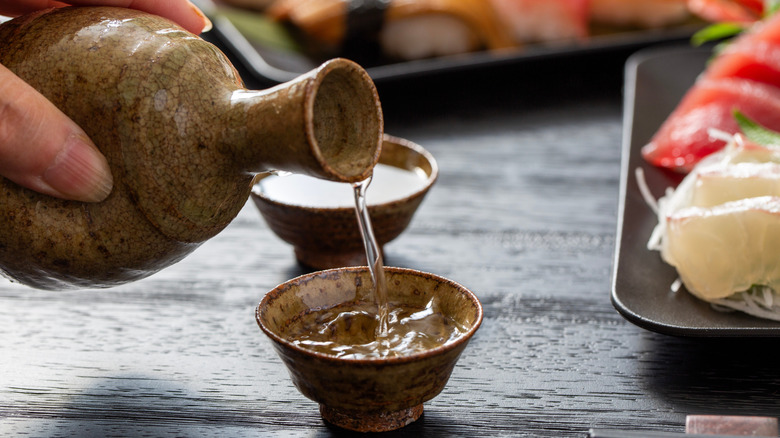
(524, 214)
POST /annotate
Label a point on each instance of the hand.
(40, 147)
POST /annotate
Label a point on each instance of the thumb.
(44, 150)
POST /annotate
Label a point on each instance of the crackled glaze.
(183, 138)
(376, 394)
(325, 238)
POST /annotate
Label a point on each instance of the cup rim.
(429, 181)
(461, 340)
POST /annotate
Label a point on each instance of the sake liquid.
(373, 256)
(375, 329)
(351, 330)
(389, 183)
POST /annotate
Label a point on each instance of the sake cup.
(368, 394)
(329, 237)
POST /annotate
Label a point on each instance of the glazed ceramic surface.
(368, 394)
(326, 238)
(181, 134)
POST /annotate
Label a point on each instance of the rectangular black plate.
(656, 80)
(269, 64)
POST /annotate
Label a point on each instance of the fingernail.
(207, 25)
(80, 171)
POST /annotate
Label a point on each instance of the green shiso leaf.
(258, 28)
(716, 32)
(756, 132)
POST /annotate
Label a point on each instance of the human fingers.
(44, 150)
(12, 8)
(182, 12)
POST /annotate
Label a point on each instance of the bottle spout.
(326, 123)
(345, 121)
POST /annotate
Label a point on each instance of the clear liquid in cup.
(388, 184)
(377, 329)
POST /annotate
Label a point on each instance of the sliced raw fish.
(748, 59)
(727, 248)
(745, 76)
(754, 55)
(767, 30)
(734, 182)
(684, 138)
(735, 11)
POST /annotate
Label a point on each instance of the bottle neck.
(327, 123)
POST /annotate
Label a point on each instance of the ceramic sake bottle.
(182, 135)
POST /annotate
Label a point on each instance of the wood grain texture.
(524, 214)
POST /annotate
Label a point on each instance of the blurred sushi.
(543, 21)
(413, 29)
(249, 4)
(406, 29)
(638, 13)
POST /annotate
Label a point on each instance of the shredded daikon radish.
(757, 301)
(644, 189)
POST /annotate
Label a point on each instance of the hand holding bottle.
(40, 147)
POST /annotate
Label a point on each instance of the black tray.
(656, 80)
(270, 64)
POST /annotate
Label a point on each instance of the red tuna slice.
(739, 11)
(754, 55)
(767, 30)
(748, 59)
(683, 139)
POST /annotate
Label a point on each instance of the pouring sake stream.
(183, 137)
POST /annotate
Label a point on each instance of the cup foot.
(327, 260)
(371, 421)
